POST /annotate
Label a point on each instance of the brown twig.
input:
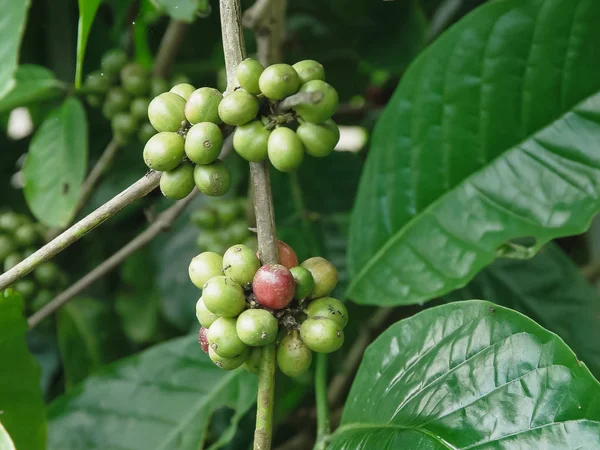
(167, 52)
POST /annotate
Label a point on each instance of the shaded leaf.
(470, 375)
(184, 10)
(20, 395)
(472, 152)
(87, 12)
(161, 399)
(32, 84)
(12, 26)
(56, 164)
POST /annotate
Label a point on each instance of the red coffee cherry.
(273, 286)
(203, 339)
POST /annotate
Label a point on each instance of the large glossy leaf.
(12, 26)
(20, 395)
(470, 375)
(32, 84)
(87, 12)
(56, 163)
(491, 135)
(552, 291)
(6, 442)
(161, 399)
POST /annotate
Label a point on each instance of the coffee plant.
(434, 290)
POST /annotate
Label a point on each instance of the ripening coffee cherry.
(158, 86)
(183, 90)
(204, 218)
(203, 339)
(224, 296)
(322, 335)
(123, 126)
(223, 338)
(293, 356)
(47, 274)
(135, 79)
(252, 364)
(203, 106)
(6, 246)
(26, 288)
(12, 260)
(285, 149)
(240, 263)
(205, 266)
(238, 108)
(328, 308)
(139, 108)
(145, 132)
(204, 316)
(257, 327)
(319, 139)
(239, 231)
(287, 255)
(117, 100)
(309, 70)
(166, 112)
(304, 282)
(247, 74)
(113, 61)
(10, 221)
(97, 82)
(164, 151)
(250, 141)
(213, 179)
(228, 363)
(273, 286)
(179, 182)
(324, 274)
(321, 110)
(26, 235)
(279, 81)
(203, 143)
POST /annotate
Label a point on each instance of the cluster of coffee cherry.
(222, 225)
(245, 306)
(19, 238)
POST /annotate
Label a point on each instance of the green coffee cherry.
(12, 260)
(123, 126)
(10, 221)
(279, 81)
(204, 316)
(113, 61)
(321, 110)
(166, 112)
(304, 282)
(252, 364)
(223, 296)
(239, 231)
(26, 288)
(204, 218)
(223, 338)
(213, 179)
(293, 356)
(228, 363)
(183, 90)
(205, 266)
(250, 141)
(158, 86)
(285, 149)
(47, 274)
(203, 142)
(94, 100)
(139, 108)
(97, 82)
(164, 151)
(179, 182)
(240, 263)
(319, 139)
(247, 73)
(324, 274)
(203, 106)
(43, 297)
(238, 108)
(135, 79)
(145, 132)
(257, 327)
(309, 70)
(227, 210)
(6, 247)
(117, 100)
(328, 308)
(322, 335)
(26, 235)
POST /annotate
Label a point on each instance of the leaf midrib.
(408, 225)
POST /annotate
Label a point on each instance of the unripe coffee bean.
(42, 298)
(123, 124)
(223, 338)
(228, 363)
(227, 210)
(179, 182)
(321, 110)
(166, 112)
(247, 74)
(322, 335)
(164, 151)
(224, 296)
(328, 308)
(203, 143)
(158, 86)
(113, 61)
(183, 90)
(238, 108)
(319, 139)
(6, 247)
(204, 316)
(309, 70)
(279, 81)
(324, 274)
(97, 82)
(139, 108)
(26, 235)
(213, 179)
(285, 149)
(203, 339)
(203, 106)
(250, 141)
(293, 356)
(205, 266)
(12, 260)
(26, 288)
(273, 286)
(287, 255)
(240, 263)
(10, 222)
(204, 218)
(257, 327)
(135, 79)
(252, 364)
(118, 99)
(47, 274)
(304, 282)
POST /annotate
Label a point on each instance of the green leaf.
(6, 442)
(552, 291)
(473, 152)
(184, 10)
(160, 399)
(88, 337)
(20, 395)
(12, 26)
(56, 164)
(33, 84)
(470, 375)
(87, 12)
